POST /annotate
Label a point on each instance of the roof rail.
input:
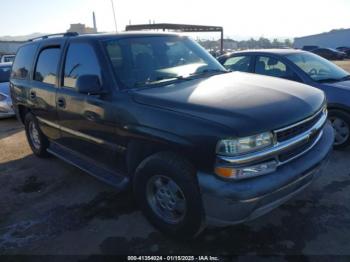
(68, 34)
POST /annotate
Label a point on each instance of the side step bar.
(115, 179)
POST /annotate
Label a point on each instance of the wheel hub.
(166, 199)
(342, 130)
(34, 135)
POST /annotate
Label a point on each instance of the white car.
(6, 109)
(7, 59)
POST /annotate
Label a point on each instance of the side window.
(47, 66)
(271, 66)
(80, 60)
(238, 63)
(23, 62)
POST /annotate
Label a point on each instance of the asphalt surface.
(50, 207)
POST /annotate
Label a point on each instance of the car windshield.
(5, 72)
(146, 61)
(318, 68)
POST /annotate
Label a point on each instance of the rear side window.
(23, 62)
(80, 60)
(47, 65)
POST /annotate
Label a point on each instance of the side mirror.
(89, 84)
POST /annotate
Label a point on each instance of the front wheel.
(167, 191)
(341, 124)
(37, 140)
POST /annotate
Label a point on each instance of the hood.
(343, 84)
(5, 88)
(247, 103)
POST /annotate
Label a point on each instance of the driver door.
(84, 119)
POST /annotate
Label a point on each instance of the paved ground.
(49, 207)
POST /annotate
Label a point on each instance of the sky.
(241, 19)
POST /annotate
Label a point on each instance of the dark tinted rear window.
(47, 65)
(5, 74)
(23, 62)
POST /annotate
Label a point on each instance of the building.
(332, 39)
(82, 29)
(9, 47)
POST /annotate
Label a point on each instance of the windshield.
(318, 68)
(144, 61)
(5, 74)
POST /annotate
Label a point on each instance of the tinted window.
(47, 65)
(81, 60)
(23, 62)
(238, 63)
(5, 74)
(271, 66)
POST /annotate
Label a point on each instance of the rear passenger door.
(42, 92)
(86, 121)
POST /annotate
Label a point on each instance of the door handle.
(32, 95)
(61, 102)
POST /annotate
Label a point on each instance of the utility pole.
(115, 20)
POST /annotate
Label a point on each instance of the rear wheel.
(167, 191)
(37, 140)
(341, 124)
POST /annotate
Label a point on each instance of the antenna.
(94, 20)
(115, 20)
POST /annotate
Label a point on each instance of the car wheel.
(341, 125)
(167, 191)
(37, 140)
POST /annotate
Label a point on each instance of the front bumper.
(6, 108)
(232, 202)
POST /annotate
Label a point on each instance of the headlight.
(2, 97)
(239, 146)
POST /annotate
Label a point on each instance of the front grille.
(295, 130)
(287, 155)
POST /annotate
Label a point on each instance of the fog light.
(246, 172)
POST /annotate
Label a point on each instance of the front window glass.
(143, 61)
(318, 68)
(81, 60)
(5, 73)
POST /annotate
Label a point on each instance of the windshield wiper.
(167, 80)
(158, 81)
(326, 80)
(206, 71)
(347, 77)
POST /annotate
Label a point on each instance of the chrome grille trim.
(282, 147)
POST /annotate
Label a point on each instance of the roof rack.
(68, 34)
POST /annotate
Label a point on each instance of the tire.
(341, 123)
(38, 142)
(169, 171)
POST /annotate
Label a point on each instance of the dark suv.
(156, 114)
